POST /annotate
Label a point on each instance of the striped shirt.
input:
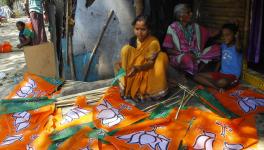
(36, 6)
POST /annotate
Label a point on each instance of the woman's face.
(141, 30)
(187, 15)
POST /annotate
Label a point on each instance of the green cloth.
(36, 6)
(28, 33)
(209, 100)
(23, 104)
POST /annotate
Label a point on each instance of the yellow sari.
(151, 83)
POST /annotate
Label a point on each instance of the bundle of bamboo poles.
(92, 96)
(181, 96)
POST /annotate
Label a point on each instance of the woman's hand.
(133, 71)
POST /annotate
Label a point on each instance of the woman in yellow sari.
(144, 64)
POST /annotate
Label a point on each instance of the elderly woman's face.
(187, 15)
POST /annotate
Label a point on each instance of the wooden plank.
(41, 60)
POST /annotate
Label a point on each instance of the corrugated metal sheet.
(215, 13)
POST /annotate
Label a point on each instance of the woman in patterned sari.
(144, 64)
(185, 42)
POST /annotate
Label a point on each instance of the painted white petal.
(26, 90)
(260, 102)
(11, 140)
(200, 142)
(101, 107)
(117, 121)
(234, 146)
(17, 114)
(163, 145)
(22, 126)
(243, 106)
(251, 103)
(29, 147)
(152, 133)
(147, 139)
(22, 114)
(163, 137)
(73, 115)
(209, 144)
(83, 111)
(135, 138)
(107, 104)
(20, 120)
(126, 137)
(32, 83)
(105, 114)
(212, 135)
(66, 119)
(153, 145)
(109, 120)
(19, 94)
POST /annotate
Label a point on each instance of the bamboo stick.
(97, 91)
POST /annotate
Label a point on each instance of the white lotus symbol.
(233, 147)
(26, 90)
(74, 114)
(12, 139)
(247, 104)
(205, 141)
(150, 138)
(109, 115)
(21, 120)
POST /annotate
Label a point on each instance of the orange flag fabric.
(242, 101)
(149, 135)
(81, 113)
(34, 86)
(112, 112)
(19, 130)
(209, 131)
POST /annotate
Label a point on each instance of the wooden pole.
(139, 5)
(87, 66)
(69, 39)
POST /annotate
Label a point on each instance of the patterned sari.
(151, 83)
(189, 47)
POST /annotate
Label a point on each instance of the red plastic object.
(6, 47)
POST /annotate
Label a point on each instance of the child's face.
(19, 27)
(229, 36)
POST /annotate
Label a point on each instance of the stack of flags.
(29, 121)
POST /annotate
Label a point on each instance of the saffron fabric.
(144, 84)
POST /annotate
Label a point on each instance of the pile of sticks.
(180, 97)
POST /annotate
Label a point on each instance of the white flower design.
(205, 141)
(11, 139)
(74, 114)
(233, 147)
(109, 115)
(26, 90)
(21, 120)
(150, 138)
(29, 147)
(247, 104)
